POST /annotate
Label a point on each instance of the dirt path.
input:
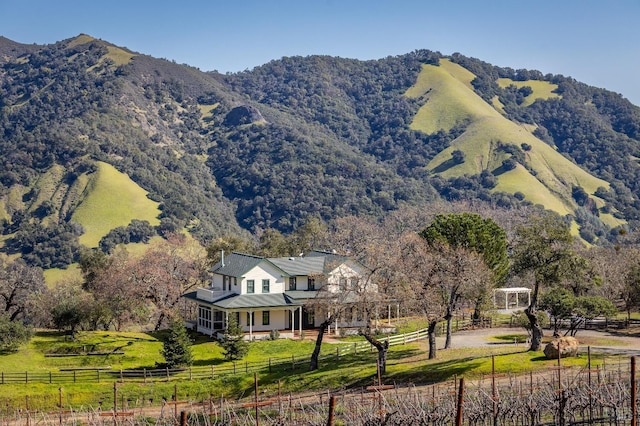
(603, 341)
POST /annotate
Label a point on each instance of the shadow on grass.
(444, 166)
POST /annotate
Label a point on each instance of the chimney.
(222, 258)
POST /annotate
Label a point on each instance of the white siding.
(264, 271)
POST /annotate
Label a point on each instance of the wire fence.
(605, 395)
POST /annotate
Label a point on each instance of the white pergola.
(508, 291)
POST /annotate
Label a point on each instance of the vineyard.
(562, 395)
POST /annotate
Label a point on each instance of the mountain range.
(100, 145)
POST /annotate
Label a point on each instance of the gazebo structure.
(511, 297)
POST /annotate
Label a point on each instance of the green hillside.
(545, 177)
(113, 200)
(540, 89)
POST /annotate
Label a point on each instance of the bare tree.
(166, 272)
(18, 284)
(362, 242)
(113, 287)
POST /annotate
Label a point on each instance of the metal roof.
(249, 301)
(300, 265)
(236, 264)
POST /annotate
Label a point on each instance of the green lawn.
(407, 363)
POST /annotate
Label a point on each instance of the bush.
(13, 334)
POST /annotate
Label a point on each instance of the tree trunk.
(536, 329)
(313, 365)
(432, 339)
(382, 348)
(160, 321)
(448, 317)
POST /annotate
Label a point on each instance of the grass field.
(126, 199)
(406, 364)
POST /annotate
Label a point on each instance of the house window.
(204, 317)
(251, 318)
(235, 281)
(353, 284)
(343, 283)
(265, 317)
(265, 286)
(251, 286)
(311, 284)
(218, 321)
(292, 283)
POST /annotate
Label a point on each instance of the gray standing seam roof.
(237, 264)
(300, 265)
(249, 301)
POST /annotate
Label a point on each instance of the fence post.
(26, 377)
(50, 377)
(460, 402)
(332, 405)
(633, 391)
(167, 371)
(355, 348)
(98, 371)
(144, 374)
(212, 371)
(269, 364)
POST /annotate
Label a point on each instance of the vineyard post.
(460, 402)
(633, 391)
(175, 400)
(493, 390)
(255, 382)
(332, 405)
(60, 403)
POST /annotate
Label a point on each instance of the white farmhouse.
(267, 294)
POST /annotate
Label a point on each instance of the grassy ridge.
(541, 89)
(450, 100)
(124, 199)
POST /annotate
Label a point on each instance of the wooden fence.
(199, 372)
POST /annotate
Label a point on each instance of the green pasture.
(126, 201)
(540, 89)
(406, 364)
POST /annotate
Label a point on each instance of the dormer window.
(292, 283)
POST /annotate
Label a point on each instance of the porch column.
(529, 297)
(250, 325)
(292, 316)
(517, 299)
(299, 322)
(226, 320)
(389, 314)
(506, 300)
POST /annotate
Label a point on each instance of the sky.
(596, 42)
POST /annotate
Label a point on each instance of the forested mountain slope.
(292, 139)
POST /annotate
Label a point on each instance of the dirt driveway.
(602, 341)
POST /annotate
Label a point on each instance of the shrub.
(176, 348)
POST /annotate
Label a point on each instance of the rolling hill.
(96, 137)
